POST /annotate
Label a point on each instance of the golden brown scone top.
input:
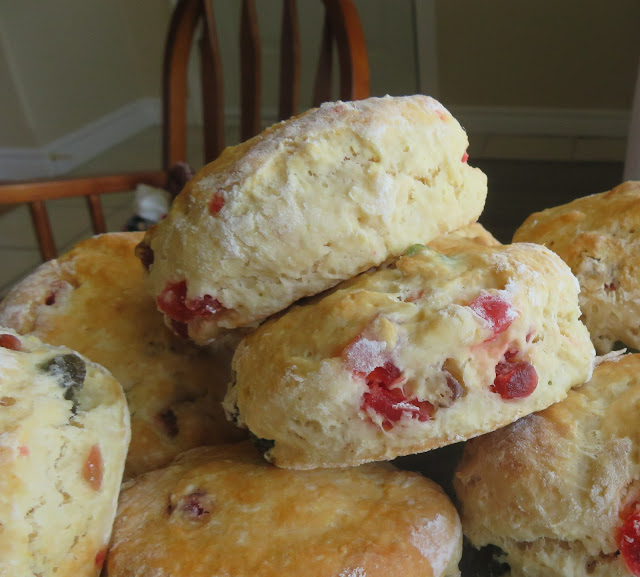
(225, 511)
(564, 474)
(93, 300)
(598, 236)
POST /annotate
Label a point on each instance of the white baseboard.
(76, 148)
(24, 163)
(80, 146)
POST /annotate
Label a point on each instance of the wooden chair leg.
(43, 230)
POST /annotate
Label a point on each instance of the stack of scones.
(321, 300)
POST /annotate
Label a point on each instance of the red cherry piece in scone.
(100, 557)
(494, 309)
(93, 469)
(630, 543)
(10, 342)
(196, 506)
(514, 380)
(465, 157)
(173, 302)
(386, 398)
(216, 203)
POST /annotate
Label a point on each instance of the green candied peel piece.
(414, 248)
(70, 371)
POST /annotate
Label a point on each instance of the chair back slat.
(324, 71)
(352, 51)
(184, 21)
(289, 60)
(212, 86)
(97, 216)
(250, 73)
(42, 227)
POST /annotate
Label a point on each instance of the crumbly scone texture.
(308, 203)
(64, 431)
(474, 234)
(598, 236)
(552, 489)
(93, 300)
(406, 358)
(225, 511)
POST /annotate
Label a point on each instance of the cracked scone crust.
(309, 203)
(559, 490)
(434, 349)
(64, 431)
(598, 236)
(225, 511)
(93, 300)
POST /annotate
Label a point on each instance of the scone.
(93, 300)
(308, 203)
(559, 491)
(473, 234)
(426, 352)
(225, 511)
(64, 431)
(598, 236)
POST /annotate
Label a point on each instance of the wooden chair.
(341, 24)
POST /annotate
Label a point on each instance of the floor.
(516, 188)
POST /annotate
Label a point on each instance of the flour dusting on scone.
(308, 203)
(431, 350)
(559, 491)
(225, 511)
(93, 300)
(598, 236)
(64, 431)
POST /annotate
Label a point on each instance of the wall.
(15, 129)
(575, 55)
(68, 66)
(74, 61)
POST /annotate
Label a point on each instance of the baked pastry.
(64, 430)
(598, 236)
(225, 511)
(93, 300)
(429, 351)
(306, 204)
(559, 491)
(473, 234)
